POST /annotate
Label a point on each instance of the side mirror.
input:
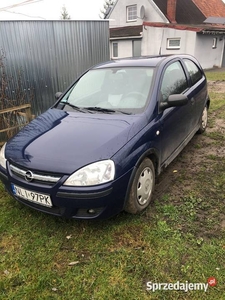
(174, 101)
(58, 95)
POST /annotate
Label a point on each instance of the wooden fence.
(9, 117)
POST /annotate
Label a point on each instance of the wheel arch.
(154, 157)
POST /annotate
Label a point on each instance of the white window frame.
(131, 7)
(172, 47)
(115, 43)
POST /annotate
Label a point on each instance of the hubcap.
(204, 118)
(144, 186)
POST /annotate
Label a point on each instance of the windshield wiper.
(106, 110)
(73, 106)
(124, 112)
(100, 109)
(94, 109)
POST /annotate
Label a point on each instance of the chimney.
(171, 10)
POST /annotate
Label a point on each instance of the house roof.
(186, 11)
(174, 26)
(211, 8)
(128, 31)
(136, 31)
(194, 11)
(201, 28)
(190, 15)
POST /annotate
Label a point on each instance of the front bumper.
(96, 202)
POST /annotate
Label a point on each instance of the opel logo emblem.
(29, 176)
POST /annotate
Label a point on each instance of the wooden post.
(28, 114)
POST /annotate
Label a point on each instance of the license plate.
(35, 197)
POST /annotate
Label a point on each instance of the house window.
(132, 13)
(173, 43)
(214, 43)
(114, 49)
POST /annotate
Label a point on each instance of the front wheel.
(204, 120)
(142, 188)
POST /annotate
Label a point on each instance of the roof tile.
(194, 11)
(211, 8)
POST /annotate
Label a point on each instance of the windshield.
(113, 90)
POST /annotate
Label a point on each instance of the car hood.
(62, 142)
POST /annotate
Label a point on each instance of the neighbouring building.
(152, 27)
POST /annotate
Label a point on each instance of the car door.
(198, 89)
(175, 122)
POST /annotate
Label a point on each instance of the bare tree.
(106, 8)
(64, 14)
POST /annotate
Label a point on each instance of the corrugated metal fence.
(51, 54)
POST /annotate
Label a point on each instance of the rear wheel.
(142, 188)
(204, 120)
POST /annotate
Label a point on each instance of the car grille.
(34, 176)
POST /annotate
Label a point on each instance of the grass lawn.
(180, 237)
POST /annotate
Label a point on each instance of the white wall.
(198, 45)
(118, 17)
(155, 39)
(207, 56)
(151, 40)
(124, 48)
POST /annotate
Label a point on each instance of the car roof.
(143, 61)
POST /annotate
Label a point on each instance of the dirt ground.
(191, 159)
(217, 86)
(197, 171)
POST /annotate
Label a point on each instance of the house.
(151, 27)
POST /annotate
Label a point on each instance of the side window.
(193, 70)
(174, 81)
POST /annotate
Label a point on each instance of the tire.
(142, 187)
(204, 120)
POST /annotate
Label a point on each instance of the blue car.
(98, 150)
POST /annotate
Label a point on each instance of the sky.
(50, 9)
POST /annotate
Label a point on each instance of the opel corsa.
(98, 150)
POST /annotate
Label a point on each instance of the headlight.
(2, 157)
(93, 174)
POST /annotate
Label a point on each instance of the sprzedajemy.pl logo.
(181, 286)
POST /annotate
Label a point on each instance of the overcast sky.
(50, 9)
